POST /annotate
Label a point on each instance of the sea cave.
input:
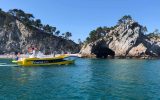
(103, 52)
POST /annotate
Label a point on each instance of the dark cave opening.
(103, 52)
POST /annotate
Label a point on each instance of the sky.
(82, 16)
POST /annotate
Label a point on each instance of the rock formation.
(126, 40)
(17, 37)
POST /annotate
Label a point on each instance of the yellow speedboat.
(60, 60)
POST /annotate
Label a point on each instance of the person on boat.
(30, 51)
(54, 53)
(34, 52)
(17, 56)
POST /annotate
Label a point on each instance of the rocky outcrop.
(17, 37)
(126, 40)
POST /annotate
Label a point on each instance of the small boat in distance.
(59, 60)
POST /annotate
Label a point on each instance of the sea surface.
(87, 79)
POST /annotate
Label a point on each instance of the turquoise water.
(93, 79)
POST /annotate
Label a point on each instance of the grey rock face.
(127, 39)
(17, 37)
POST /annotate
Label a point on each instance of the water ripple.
(93, 79)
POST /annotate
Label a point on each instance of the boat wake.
(9, 65)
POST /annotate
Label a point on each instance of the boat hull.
(43, 61)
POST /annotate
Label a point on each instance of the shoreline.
(11, 56)
(123, 57)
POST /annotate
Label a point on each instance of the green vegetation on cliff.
(98, 33)
(102, 31)
(155, 35)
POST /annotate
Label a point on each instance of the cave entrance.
(103, 52)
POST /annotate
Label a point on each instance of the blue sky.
(81, 16)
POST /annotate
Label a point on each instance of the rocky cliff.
(17, 37)
(125, 40)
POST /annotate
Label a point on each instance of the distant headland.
(127, 39)
(20, 30)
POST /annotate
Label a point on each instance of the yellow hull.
(44, 61)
